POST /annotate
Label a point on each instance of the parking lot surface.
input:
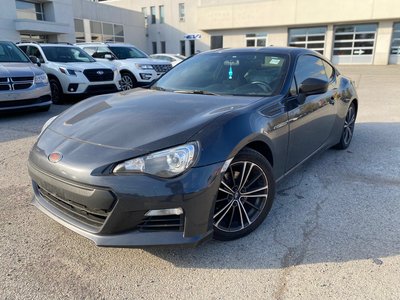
(333, 231)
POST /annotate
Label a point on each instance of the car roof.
(105, 44)
(292, 51)
(47, 44)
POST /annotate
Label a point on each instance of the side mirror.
(312, 86)
(35, 60)
(108, 56)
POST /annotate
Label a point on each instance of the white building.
(69, 21)
(346, 31)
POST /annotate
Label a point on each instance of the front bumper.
(122, 202)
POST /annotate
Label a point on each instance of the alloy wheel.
(126, 82)
(242, 196)
(349, 125)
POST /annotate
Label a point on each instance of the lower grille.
(101, 89)
(25, 102)
(162, 68)
(94, 218)
(162, 223)
(97, 75)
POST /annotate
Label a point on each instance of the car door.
(311, 117)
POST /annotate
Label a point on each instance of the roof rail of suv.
(38, 43)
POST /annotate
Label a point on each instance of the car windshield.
(66, 54)
(11, 53)
(125, 52)
(227, 73)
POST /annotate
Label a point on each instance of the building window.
(163, 47)
(181, 12)
(310, 38)
(192, 47)
(106, 32)
(29, 10)
(27, 37)
(183, 47)
(144, 12)
(153, 14)
(216, 42)
(354, 43)
(154, 44)
(161, 12)
(79, 31)
(395, 47)
(256, 40)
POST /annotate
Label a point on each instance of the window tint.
(309, 66)
(330, 72)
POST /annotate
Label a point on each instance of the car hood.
(150, 61)
(19, 70)
(143, 120)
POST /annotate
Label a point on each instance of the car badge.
(100, 72)
(55, 157)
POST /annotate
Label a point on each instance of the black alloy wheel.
(245, 196)
(348, 128)
(56, 91)
(128, 81)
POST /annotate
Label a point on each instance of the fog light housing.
(164, 212)
(145, 76)
(73, 87)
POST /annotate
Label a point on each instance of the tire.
(57, 94)
(236, 215)
(128, 81)
(348, 128)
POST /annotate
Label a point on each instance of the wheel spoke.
(224, 208)
(257, 190)
(253, 181)
(223, 199)
(241, 217)
(243, 173)
(232, 174)
(229, 205)
(244, 212)
(225, 191)
(255, 196)
(251, 204)
(247, 177)
(230, 221)
(227, 186)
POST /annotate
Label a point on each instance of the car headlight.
(166, 163)
(68, 71)
(41, 79)
(47, 124)
(144, 66)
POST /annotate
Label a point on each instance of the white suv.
(136, 67)
(72, 71)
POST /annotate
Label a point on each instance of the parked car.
(198, 154)
(72, 71)
(136, 67)
(23, 85)
(174, 59)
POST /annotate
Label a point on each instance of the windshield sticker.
(230, 73)
(274, 61)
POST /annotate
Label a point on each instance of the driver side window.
(309, 66)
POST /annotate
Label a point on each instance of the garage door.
(395, 46)
(354, 44)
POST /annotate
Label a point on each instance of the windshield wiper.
(199, 92)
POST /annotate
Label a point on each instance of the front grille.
(101, 89)
(25, 102)
(94, 218)
(162, 223)
(96, 75)
(162, 68)
(15, 83)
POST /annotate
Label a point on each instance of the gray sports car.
(196, 155)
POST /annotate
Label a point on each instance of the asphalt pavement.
(333, 231)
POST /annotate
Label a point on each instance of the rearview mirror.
(312, 86)
(35, 60)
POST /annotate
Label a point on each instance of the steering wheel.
(263, 85)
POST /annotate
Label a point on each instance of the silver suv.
(136, 67)
(72, 71)
(22, 84)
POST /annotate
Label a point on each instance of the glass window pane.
(108, 29)
(119, 30)
(119, 39)
(340, 37)
(316, 45)
(344, 29)
(309, 66)
(78, 25)
(95, 27)
(261, 43)
(298, 38)
(365, 36)
(250, 43)
(316, 37)
(343, 45)
(363, 44)
(396, 26)
(365, 27)
(298, 45)
(341, 52)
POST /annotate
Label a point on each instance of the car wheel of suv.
(245, 196)
(128, 81)
(56, 91)
(348, 128)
